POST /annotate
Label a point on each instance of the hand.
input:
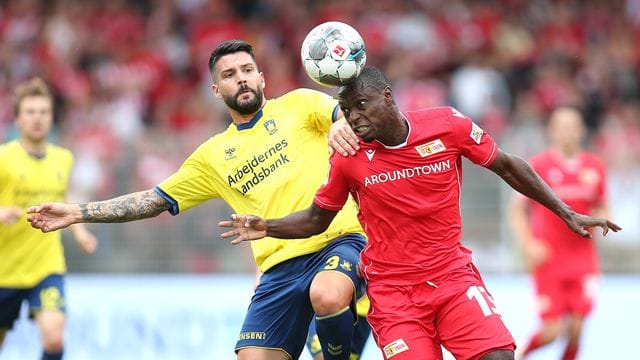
(580, 223)
(86, 241)
(536, 252)
(10, 214)
(51, 216)
(342, 138)
(247, 227)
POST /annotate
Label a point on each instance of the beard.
(246, 107)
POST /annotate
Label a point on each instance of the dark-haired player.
(269, 161)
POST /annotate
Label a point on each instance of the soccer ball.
(333, 53)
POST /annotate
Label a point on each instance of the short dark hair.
(370, 76)
(226, 48)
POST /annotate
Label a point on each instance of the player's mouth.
(361, 129)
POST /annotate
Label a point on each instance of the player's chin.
(367, 137)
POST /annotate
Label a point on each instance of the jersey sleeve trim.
(175, 209)
(334, 114)
(491, 157)
(327, 206)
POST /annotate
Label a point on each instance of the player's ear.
(216, 91)
(264, 84)
(388, 94)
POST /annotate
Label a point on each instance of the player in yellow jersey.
(270, 161)
(32, 263)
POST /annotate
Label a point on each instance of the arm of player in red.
(520, 176)
(299, 225)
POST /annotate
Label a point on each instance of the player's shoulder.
(542, 157)
(594, 159)
(299, 97)
(5, 147)
(59, 152)
(439, 113)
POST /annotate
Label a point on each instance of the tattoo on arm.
(135, 206)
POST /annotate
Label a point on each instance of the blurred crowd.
(133, 89)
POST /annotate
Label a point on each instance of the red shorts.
(412, 322)
(561, 296)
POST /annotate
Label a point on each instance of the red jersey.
(581, 184)
(409, 195)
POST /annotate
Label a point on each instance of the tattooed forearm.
(140, 205)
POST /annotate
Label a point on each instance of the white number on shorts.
(484, 300)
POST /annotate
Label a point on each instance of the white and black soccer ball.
(333, 53)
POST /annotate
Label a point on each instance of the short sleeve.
(191, 185)
(475, 144)
(333, 194)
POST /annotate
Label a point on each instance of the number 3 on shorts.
(332, 262)
(484, 300)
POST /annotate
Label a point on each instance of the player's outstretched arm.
(520, 175)
(302, 224)
(140, 205)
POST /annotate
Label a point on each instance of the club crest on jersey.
(346, 265)
(395, 348)
(229, 153)
(476, 133)
(589, 176)
(430, 148)
(270, 126)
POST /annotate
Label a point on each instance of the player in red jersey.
(563, 264)
(424, 290)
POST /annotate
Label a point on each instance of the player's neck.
(35, 148)
(400, 134)
(568, 152)
(239, 118)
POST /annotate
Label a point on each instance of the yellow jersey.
(27, 255)
(270, 167)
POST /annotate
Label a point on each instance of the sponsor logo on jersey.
(256, 169)
(270, 126)
(369, 153)
(430, 148)
(229, 153)
(408, 173)
(394, 348)
(476, 133)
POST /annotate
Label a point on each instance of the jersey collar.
(253, 121)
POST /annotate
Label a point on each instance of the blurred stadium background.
(133, 100)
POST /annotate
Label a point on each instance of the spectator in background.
(563, 264)
(32, 267)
